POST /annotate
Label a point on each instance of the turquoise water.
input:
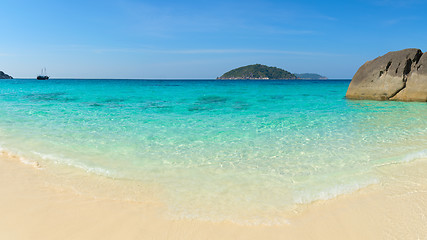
(243, 151)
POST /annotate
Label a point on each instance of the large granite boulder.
(400, 76)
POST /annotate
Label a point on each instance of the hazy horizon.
(133, 39)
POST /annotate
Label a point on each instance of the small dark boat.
(43, 75)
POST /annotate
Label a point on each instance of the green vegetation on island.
(309, 76)
(257, 71)
(263, 72)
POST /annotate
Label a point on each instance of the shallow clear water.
(220, 150)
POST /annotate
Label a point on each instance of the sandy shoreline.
(33, 208)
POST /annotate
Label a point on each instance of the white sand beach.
(32, 207)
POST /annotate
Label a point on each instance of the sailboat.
(43, 75)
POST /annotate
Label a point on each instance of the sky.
(148, 39)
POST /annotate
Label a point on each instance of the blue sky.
(202, 39)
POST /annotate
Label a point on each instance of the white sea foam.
(12, 154)
(308, 196)
(414, 156)
(340, 189)
(75, 163)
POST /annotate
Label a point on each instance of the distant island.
(257, 72)
(4, 76)
(263, 72)
(313, 76)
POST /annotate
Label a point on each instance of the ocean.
(242, 151)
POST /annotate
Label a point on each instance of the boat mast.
(43, 73)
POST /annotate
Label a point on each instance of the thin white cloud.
(329, 18)
(399, 20)
(212, 51)
(397, 3)
(280, 31)
(172, 20)
(6, 55)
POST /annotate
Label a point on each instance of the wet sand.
(33, 207)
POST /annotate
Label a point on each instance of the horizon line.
(61, 78)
